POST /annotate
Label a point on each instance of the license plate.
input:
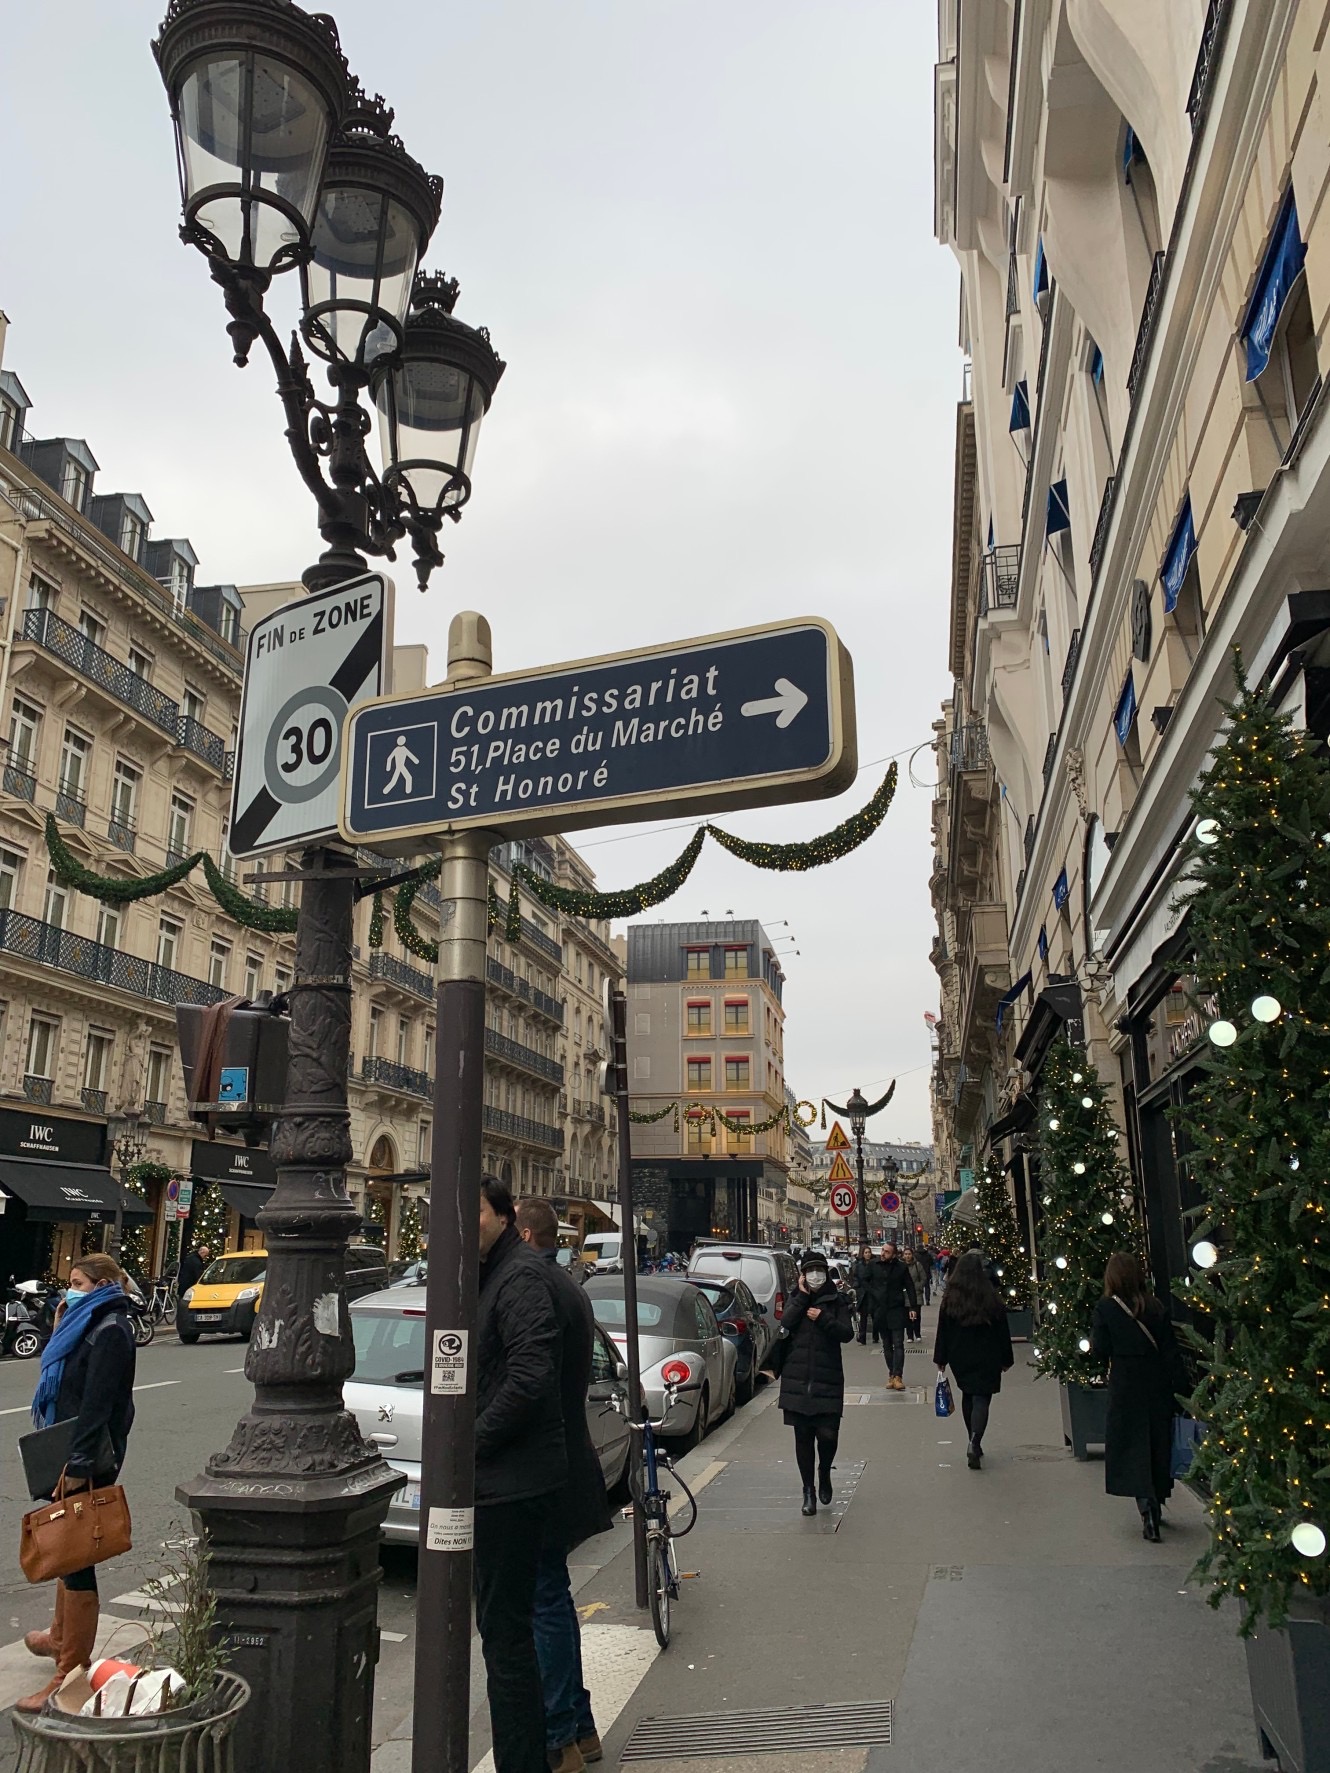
(207, 1317)
(411, 1497)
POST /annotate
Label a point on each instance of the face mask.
(73, 1295)
(816, 1277)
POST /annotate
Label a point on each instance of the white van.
(603, 1250)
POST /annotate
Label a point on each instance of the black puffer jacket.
(808, 1354)
(519, 1422)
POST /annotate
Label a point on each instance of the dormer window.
(179, 581)
(74, 483)
(131, 535)
(231, 624)
(9, 424)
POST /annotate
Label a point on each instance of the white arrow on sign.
(788, 701)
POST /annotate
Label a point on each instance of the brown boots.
(71, 1638)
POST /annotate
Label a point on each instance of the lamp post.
(129, 1149)
(285, 164)
(857, 1106)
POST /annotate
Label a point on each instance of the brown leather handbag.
(76, 1529)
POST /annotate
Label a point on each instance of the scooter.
(20, 1335)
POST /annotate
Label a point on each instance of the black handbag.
(45, 1454)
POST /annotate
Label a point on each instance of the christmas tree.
(1259, 920)
(1087, 1212)
(1001, 1238)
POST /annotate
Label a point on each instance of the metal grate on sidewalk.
(801, 1727)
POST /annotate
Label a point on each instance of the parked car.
(602, 1252)
(387, 1390)
(679, 1342)
(224, 1300)
(745, 1325)
(410, 1274)
(769, 1274)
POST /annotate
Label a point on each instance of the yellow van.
(224, 1300)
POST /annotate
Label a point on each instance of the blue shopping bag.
(1187, 1436)
(942, 1404)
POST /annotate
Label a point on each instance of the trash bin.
(194, 1738)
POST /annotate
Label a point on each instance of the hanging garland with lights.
(621, 904)
(795, 858)
(705, 1111)
(646, 1120)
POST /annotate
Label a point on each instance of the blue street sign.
(745, 719)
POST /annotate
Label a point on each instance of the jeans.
(507, 1555)
(559, 1648)
(893, 1347)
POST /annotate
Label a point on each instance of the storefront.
(58, 1198)
(231, 1184)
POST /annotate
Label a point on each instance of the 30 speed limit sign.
(843, 1199)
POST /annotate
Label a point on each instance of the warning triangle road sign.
(836, 1140)
(840, 1171)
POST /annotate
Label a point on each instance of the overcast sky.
(700, 232)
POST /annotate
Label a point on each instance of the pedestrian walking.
(87, 1373)
(893, 1302)
(807, 1358)
(191, 1267)
(581, 1510)
(974, 1340)
(859, 1272)
(919, 1275)
(926, 1265)
(520, 1469)
(1132, 1331)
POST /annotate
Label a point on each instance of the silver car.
(386, 1394)
(679, 1343)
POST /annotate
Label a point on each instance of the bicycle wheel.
(658, 1587)
(168, 1307)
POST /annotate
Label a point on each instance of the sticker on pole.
(843, 1199)
(450, 1529)
(305, 666)
(447, 1377)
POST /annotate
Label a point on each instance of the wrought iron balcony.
(541, 942)
(1050, 752)
(175, 856)
(1029, 836)
(969, 747)
(1198, 99)
(1146, 329)
(48, 946)
(1105, 517)
(1013, 286)
(396, 1077)
(192, 736)
(591, 1111)
(121, 832)
(391, 971)
(507, 980)
(74, 649)
(1000, 571)
(1069, 669)
(513, 1052)
(19, 779)
(94, 1101)
(70, 804)
(229, 767)
(517, 1126)
(37, 1089)
(154, 1113)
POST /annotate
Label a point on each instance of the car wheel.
(701, 1422)
(744, 1388)
(189, 1337)
(248, 1331)
(728, 1411)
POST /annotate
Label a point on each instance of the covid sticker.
(448, 1369)
(450, 1529)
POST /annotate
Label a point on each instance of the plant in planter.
(1087, 1215)
(189, 1641)
(1002, 1242)
(1259, 1139)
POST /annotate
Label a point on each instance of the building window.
(24, 725)
(699, 1133)
(9, 425)
(179, 581)
(429, 1052)
(177, 831)
(739, 1136)
(56, 903)
(97, 1059)
(736, 963)
(253, 975)
(108, 925)
(699, 1074)
(231, 624)
(738, 1073)
(699, 963)
(375, 1026)
(75, 755)
(140, 663)
(736, 1015)
(125, 793)
(43, 1042)
(158, 1088)
(74, 483)
(11, 867)
(219, 958)
(423, 1142)
(92, 628)
(282, 981)
(403, 1039)
(131, 535)
(169, 932)
(699, 1019)
(41, 593)
(193, 703)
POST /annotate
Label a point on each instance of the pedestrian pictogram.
(843, 1199)
(836, 1139)
(840, 1170)
(891, 1201)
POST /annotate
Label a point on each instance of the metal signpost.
(618, 1076)
(305, 666)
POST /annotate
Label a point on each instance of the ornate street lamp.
(860, 1111)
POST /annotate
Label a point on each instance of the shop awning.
(245, 1197)
(69, 1192)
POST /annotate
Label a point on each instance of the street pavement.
(1013, 1617)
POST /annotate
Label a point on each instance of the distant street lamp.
(860, 1111)
(129, 1149)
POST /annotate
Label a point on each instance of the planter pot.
(196, 1736)
(1021, 1325)
(1289, 1672)
(1084, 1417)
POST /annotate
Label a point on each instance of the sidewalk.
(1014, 1616)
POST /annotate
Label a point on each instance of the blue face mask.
(73, 1295)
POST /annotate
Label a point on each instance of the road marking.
(615, 1660)
(392, 1637)
(592, 1608)
(233, 1369)
(157, 1384)
(18, 1410)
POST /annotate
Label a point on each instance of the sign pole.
(440, 1742)
(859, 1166)
(619, 1033)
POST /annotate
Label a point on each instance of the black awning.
(69, 1192)
(245, 1197)
(1019, 1118)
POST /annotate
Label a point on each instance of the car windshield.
(614, 1313)
(606, 1247)
(233, 1271)
(390, 1349)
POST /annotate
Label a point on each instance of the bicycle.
(662, 1565)
(162, 1305)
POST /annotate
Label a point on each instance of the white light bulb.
(1207, 831)
(999, 1274)
(1053, 1125)
(1078, 1169)
(1308, 1538)
(1204, 1254)
(1048, 1200)
(1012, 1291)
(1295, 1163)
(1052, 1306)
(1084, 1345)
(990, 1230)
(1059, 1261)
(1223, 1034)
(1076, 1077)
(1087, 1101)
(1106, 1218)
(1266, 1009)
(1036, 1354)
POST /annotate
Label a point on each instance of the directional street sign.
(891, 1201)
(836, 1138)
(843, 1199)
(840, 1171)
(754, 718)
(306, 665)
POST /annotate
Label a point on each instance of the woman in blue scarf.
(87, 1373)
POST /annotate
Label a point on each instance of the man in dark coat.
(520, 1469)
(892, 1301)
(580, 1509)
(859, 1273)
(191, 1267)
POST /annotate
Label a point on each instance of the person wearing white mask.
(816, 1325)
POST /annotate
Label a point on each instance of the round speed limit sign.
(304, 748)
(843, 1199)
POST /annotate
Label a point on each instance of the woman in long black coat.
(1133, 1333)
(974, 1340)
(817, 1322)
